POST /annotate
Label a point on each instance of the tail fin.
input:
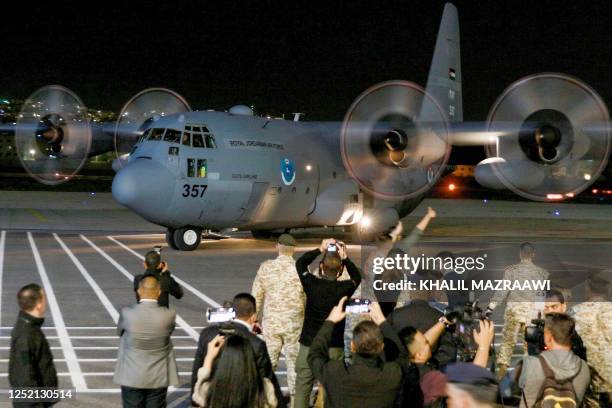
(444, 80)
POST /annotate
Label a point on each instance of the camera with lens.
(464, 320)
(534, 336)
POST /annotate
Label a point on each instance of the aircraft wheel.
(170, 238)
(187, 239)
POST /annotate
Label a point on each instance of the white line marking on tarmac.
(92, 337)
(179, 320)
(2, 240)
(78, 381)
(187, 286)
(112, 311)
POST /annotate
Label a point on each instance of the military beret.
(287, 240)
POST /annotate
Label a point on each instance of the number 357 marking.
(194, 190)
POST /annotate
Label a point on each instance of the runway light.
(570, 195)
(594, 191)
(366, 222)
(452, 187)
(554, 196)
(557, 213)
(308, 167)
(485, 201)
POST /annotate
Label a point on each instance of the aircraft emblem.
(287, 171)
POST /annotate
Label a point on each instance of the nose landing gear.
(184, 239)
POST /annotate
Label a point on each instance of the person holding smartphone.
(155, 266)
(322, 294)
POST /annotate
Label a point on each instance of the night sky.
(283, 58)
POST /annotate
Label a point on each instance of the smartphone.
(220, 314)
(158, 249)
(332, 248)
(358, 306)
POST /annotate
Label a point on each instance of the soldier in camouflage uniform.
(520, 307)
(280, 296)
(594, 325)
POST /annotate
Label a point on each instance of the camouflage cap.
(287, 240)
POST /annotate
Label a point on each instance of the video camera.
(534, 336)
(465, 320)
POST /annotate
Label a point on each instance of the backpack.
(556, 393)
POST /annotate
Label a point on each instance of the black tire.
(187, 238)
(170, 238)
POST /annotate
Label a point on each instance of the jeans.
(304, 380)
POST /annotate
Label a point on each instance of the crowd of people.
(402, 350)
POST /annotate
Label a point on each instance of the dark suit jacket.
(420, 315)
(368, 382)
(259, 346)
(167, 283)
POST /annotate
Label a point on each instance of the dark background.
(284, 57)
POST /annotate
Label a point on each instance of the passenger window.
(156, 134)
(186, 139)
(202, 168)
(191, 169)
(172, 136)
(210, 142)
(173, 151)
(197, 140)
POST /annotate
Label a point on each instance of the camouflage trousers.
(289, 341)
(515, 320)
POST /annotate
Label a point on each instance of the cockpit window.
(197, 140)
(145, 135)
(186, 140)
(200, 137)
(156, 134)
(172, 136)
(210, 141)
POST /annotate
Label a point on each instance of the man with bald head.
(146, 363)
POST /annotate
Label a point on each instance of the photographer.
(419, 349)
(322, 294)
(418, 313)
(154, 266)
(368, 381)
(556, 374)
(246, 317)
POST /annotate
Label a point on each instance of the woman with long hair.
(229, 377)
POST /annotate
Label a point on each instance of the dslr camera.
(534, 336)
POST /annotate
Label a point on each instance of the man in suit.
(158, 268)
(246, 317)
(146, 363)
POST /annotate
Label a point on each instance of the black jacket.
(31, 361)
(420, 315)
(167, 283)
(367, 382)
(264, 365)
(321, 296)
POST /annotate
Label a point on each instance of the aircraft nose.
(145, 187)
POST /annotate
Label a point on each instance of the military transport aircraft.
(547, 137)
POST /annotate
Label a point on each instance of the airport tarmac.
(86, 268)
